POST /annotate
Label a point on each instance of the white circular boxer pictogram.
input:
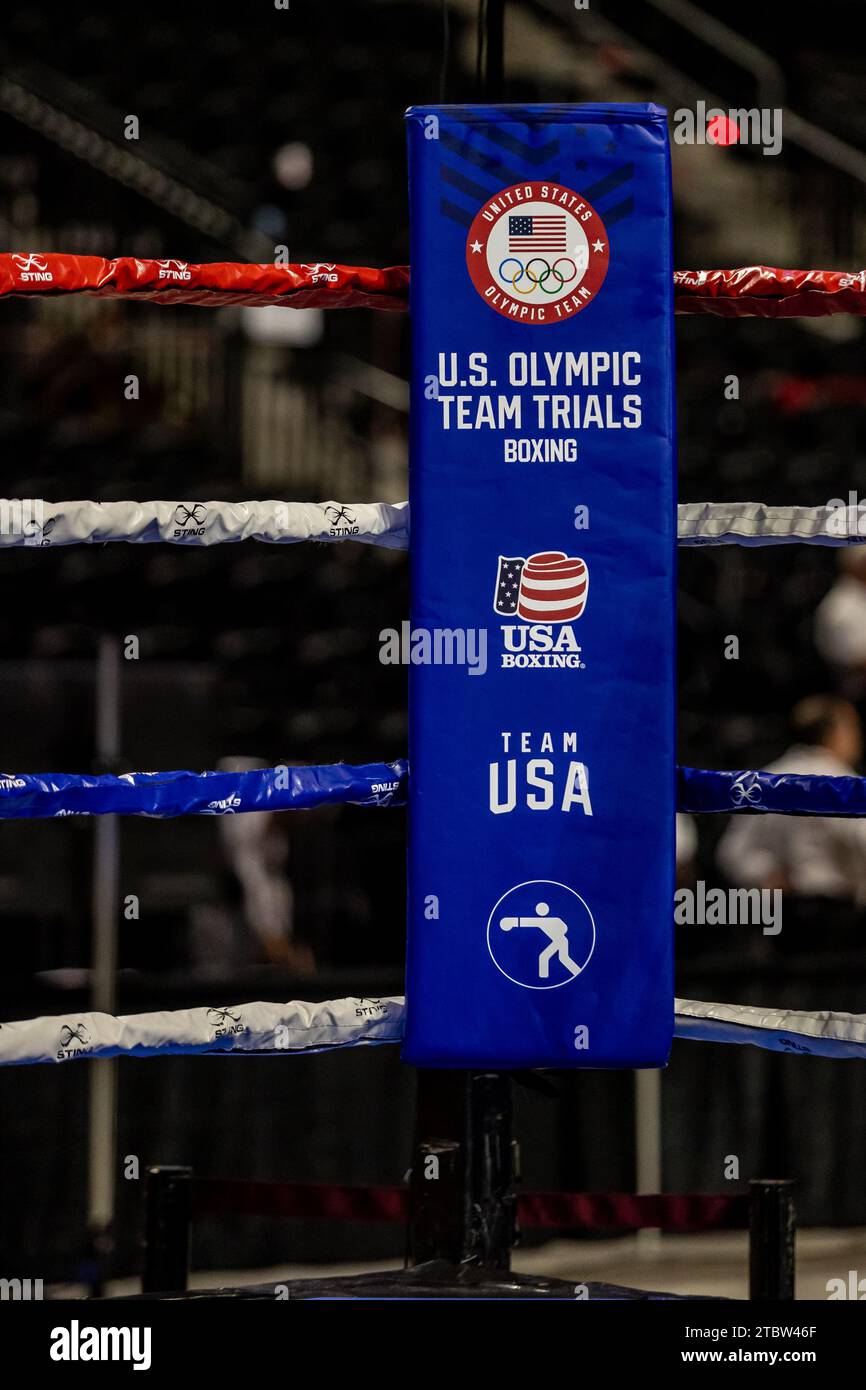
(541, 934)
(537, 253)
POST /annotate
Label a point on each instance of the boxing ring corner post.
(462, 1191)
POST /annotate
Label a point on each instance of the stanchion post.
(102, 1078)
(167, 1229)
(491, 1175)
(462, 1203)
(772, 1236)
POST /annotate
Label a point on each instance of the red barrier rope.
(310, 1201)
(588, 1211)
(752, 290)
(626, 1211)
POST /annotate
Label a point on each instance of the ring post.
(462, 1202)
(772, 1234)
(468, 1211)
(167, 1229)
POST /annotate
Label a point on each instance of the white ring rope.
(778, 1030)
(280, 1029)
(754, 523)
(274, 1029)
(39, 524)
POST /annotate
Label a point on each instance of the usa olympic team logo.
(537, 253)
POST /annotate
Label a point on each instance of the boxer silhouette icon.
(541, 934)
(555, 930)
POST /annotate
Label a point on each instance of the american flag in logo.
(537, 232)
(550, 587)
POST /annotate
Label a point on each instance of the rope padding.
(754, 523)
(766, 292)
(318, 284)
(39, 524)
(281, 1029)
(262, 1029)
(795, 1031)
(703, 792)
(42, 795)
(750, 290)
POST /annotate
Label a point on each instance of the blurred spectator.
(813, 857)
(840, 622)
(257, 921)
(687, 850)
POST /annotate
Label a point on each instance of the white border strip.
(754, 523)
(275, 1029)
(779, 1030)
(33, 522)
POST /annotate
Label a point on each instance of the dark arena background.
(195, 133)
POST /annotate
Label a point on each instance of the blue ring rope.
(44, 795)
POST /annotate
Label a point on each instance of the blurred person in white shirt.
(687, 850)
(840, 622)
(810, 856)
(255, 920)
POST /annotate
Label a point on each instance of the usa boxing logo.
(537, 253)
(548, 591)
(550, 587)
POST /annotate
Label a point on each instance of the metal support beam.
(490, 77)
(105, 903)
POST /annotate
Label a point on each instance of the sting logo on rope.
(190, 520)
(537, 253)
(174, 270)
(69, 1037)
(225, 1022)
(342, 521)
(32, 268)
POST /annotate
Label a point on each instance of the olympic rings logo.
(537, 282)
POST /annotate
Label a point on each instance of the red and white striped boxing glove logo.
(553, 588)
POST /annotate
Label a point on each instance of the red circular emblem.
(537, 252)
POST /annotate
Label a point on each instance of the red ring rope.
(752, 290)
